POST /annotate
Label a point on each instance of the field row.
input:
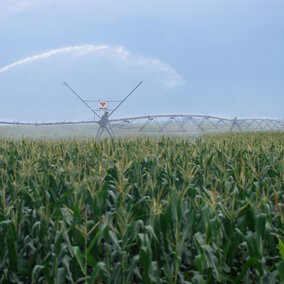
(165, 210)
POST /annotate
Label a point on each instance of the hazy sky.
(222, 57)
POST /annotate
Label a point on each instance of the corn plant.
(141, 210)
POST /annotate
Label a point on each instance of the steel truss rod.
(84, 102)
(259, 126)
(146, 123)
(211, 122)
(197, 124)
(181, 124)
(267, 125)
(157, 123)
(171, 120)
(275, 125)
(125, 99)
(108, 129)
(167, 123)
(235, 124)
(123, 124)
(250, 124)
(221, 120)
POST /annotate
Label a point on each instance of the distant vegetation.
(138, 210)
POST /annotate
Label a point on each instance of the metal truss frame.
(171, 123)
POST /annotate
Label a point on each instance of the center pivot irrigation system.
(104, 123)
(160, 123)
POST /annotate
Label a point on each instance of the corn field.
(141, 210)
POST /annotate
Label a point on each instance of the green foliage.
(166, 210)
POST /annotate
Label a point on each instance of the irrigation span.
(159, 123)
(168, 123)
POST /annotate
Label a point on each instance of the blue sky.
(222, 57)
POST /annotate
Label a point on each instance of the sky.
(221, 57)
